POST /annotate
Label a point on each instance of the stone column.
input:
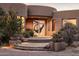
(77, 22)
(25, 23)
(58, 24)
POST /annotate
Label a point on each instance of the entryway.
(39, 28)
(42, 26)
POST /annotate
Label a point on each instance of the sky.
(59, 6)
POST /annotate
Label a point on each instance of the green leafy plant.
(9, 25)
(57, 37)
(14, 24)
(28, 33)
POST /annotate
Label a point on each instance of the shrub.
(57, 38)
(71, 30)
(4, 38)
(28, 33)
(66, 33)
(9, 25)
(1, 37)
(35, 36)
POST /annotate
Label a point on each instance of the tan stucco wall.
(58, 24)
(29, 24)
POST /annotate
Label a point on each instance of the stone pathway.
(15, 52)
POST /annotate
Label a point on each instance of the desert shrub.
(57, 38)
(66, 34)
(28, 33)
(35, 36)
(71, 30)
(1, 37)
(4, 38)
(9, 25)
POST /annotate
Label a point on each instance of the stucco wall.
(20, 8)
(66, 14)
(58, 24)
(38, 10)
(29, 24)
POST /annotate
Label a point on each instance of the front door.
(39, 27)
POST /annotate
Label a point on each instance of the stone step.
(36, 44)
(31, 46)
(37, 39)
(27, 44)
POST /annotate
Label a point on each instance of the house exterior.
(43, 20)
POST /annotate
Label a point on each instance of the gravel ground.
(14, 52)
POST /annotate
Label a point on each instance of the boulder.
(50, 46)
(75, 44)
(24, 39)
(14, 42)
(75, 50)
(56, 46)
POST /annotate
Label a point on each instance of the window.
(73, 21)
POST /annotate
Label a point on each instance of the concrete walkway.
(15, 52)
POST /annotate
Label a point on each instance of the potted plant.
(59, 43)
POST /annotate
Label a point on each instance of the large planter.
(58, 46)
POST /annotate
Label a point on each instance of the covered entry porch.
(42, 26)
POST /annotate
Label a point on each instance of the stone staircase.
(34, 44)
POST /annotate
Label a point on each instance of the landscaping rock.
(58, 46)
(18, 42)
(14, 42)
(24, 39)
(50, 46)
(75, 44)
(75, 50)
